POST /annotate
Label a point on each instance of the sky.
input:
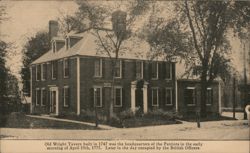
(26, 18)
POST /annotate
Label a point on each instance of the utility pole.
(234, 97)
(245, 80)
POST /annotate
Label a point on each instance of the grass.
(20, 120)
(147, 121)
(136, 121)
(208, 118)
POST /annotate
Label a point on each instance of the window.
(38, 96)
(155, 97)
(168, 71)
(66, 96)
(66, 68)
(168, 94)
(190, 96)
(54, 47)
(154, 70)
(118, 69)
(139, 69)
(118, 97)
(98, 67)
(38, 72)
(209, 96)
(43, 96)
(44, 71)
(54, 69)
(98, 97)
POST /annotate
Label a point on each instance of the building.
(72, 77)
(189, 96)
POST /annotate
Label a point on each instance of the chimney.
(53, 29)
(119, 23)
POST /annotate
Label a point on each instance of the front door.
(54, 100)
(139, 99)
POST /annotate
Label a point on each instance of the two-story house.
(72, 77)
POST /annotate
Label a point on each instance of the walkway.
(72, 121)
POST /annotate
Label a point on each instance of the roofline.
(77, 55)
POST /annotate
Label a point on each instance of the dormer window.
(67, 43)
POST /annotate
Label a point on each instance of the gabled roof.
(87, 46)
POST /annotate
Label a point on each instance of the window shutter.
(103, 68)
(69, 64)
(123, 69)
(144, 70)
(195, 96)
(135, 69)
(63, 96)
(164, 97)
(160, 69)
(160, 97)
(48, 100)
(212, 96)
(103, 97)
(69, 99)
(164, 70)
(123, 97)
(149, 70)
(91, 97)
(150, 96)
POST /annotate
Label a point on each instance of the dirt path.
(215, 130)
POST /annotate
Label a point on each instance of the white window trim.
(100, 60)
(170, 69)
(119, 77)
(157, 71)
(42, 102)
(171, 97)
(37, 72)
(52, 70)
(64, 104)
(37, 90)
(191, 88)
(207, 97)
(64, 67)
(42, 78)
(120, 97)
(152, 97)
(97, 87)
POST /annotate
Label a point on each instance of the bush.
(126, 114)
(159, 113)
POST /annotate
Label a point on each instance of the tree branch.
(193, 31)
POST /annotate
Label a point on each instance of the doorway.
(54, 108)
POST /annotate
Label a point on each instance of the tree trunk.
(203, 111)
(112, 90)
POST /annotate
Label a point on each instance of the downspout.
(78, 85)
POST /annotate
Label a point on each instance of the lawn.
(20, 120)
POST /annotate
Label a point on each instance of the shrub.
(126, 114)
(160, 113)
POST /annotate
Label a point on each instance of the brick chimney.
(119, 23)
(53, 29)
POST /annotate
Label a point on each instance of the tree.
(110, 40)
(198, 33)
(209, 23)
(3, 71)
(33, 49)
